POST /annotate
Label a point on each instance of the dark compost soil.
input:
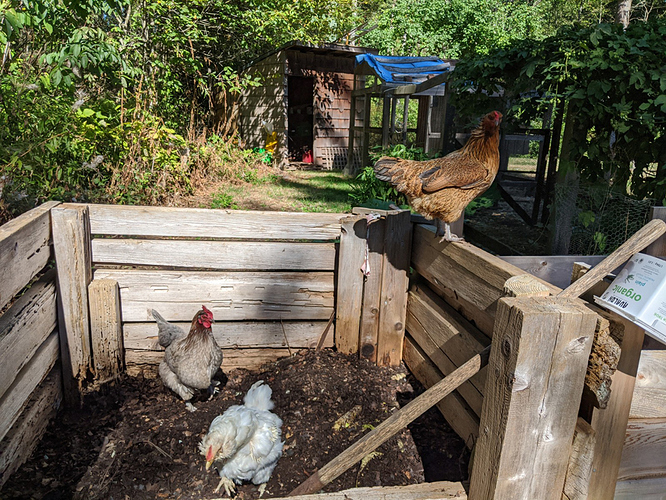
(136, 440)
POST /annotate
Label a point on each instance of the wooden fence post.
(535, 380)
(395, 284)
(372, 289)
(350, 284)
(106, 329)
(71, 244)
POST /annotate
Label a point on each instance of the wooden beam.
(395, 281)
(538, 366)
(106, 330)
(71, 245)
(229, 295)
(649, 399)
(24, 249)
(658, 248)
(25, 326)
(372, 290)
(412, 88)
(555, 269)
(217, 255)
(644, 452)
(350, 284)
(209, 224)
(580, 462)
(422, 491)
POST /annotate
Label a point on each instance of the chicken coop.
(547, 417)
(303, 98)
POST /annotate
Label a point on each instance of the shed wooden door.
(299, 107)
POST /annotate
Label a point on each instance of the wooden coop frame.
(543, 424)
(420, 78)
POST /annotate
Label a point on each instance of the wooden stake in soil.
(384, 431)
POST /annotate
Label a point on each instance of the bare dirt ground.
(135, 440)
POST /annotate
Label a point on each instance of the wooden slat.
(25, 434)
(250, 359)
(423, 491)
(531, 402)
(205, 223)
(232, 334)
(24, 249)
(658, 248)
(25, 326)
(555, 269)
(71, 246)
(229, 295)
(649, 399)
(641, 489)
(350, 284)
(218, 255)
(369, 331)
(644, 453)
(457, 413)
(106, 334)
(476, 276)
(580, 462)
(28, 378)
(395, 280)
(610, 424)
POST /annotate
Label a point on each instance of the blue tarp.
(396, 69)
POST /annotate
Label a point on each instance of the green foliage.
(614, 83)
(223, 200)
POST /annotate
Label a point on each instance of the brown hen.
(443, 187)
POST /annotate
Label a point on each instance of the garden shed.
(304, 97)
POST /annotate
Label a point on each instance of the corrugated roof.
(400, 70)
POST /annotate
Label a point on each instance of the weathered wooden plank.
(24, 249)
(14, 400)
(610, 424)
(178, 295)
(641, 489)
(423, 491)
(395, 281)
(372, 291)
(555, 269)
(457, 413)
(106, 334)
(25, 434)
(476, 276)
(71, 245)
(644, 453)
(538, 373)
(350, 284)
(218, 255)
(239, 334)
(205, 223)
(658, 248)
(250, 359)
(580, 462)
(25, 326)
(649, 400)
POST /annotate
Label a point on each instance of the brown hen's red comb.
(208, 313)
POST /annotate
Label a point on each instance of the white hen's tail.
(259, 397)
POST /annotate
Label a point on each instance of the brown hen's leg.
(448, 235)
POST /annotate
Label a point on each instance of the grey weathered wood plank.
(649, 400)
(25, 434)
(24, 249)
(219, 255)
(71, 245)
(178, 295)
(641, 489)
(206, 223)
(350, 284)
(106, 334)
(644, 453)
(369, 330)
(538, 368)
(25, 326)
(423, 491)
(555, 269)
(239, 334)
(579, 468)
(16, 397)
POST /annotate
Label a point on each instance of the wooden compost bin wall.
(30, 375)
(268, 277)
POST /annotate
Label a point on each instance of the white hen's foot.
(228, 484)
(190, 407)
(262, 489)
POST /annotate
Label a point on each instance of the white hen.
(245, 439)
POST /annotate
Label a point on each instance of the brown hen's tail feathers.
(383, 166)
